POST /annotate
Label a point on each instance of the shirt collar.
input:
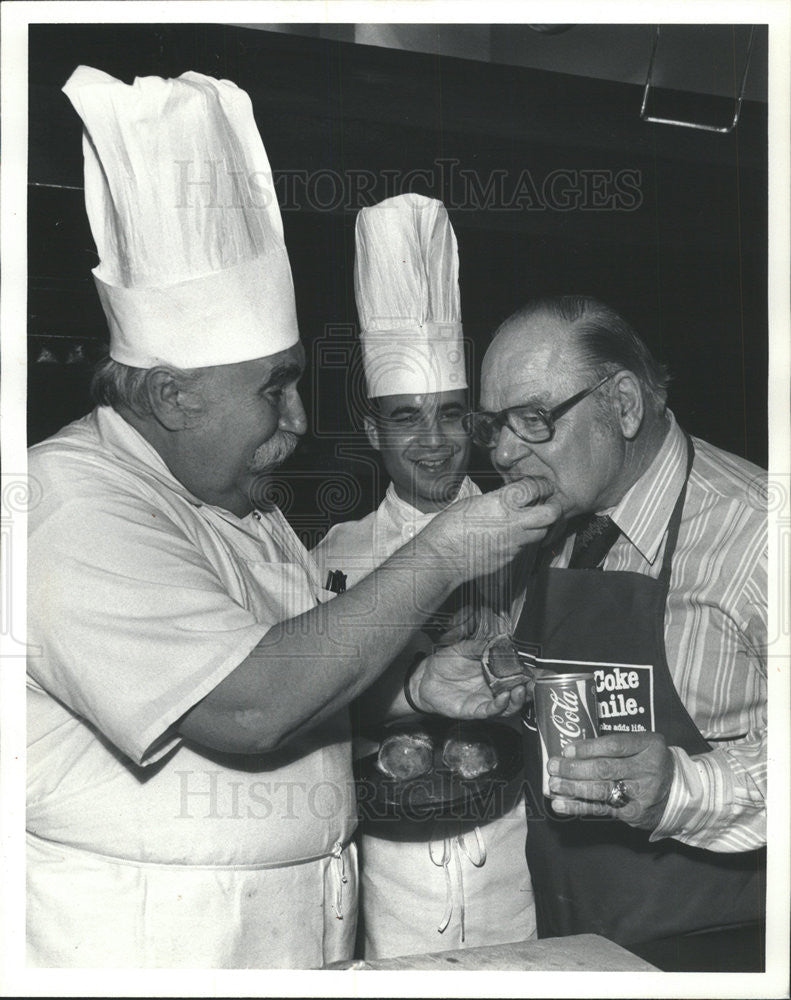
(644, 511)
(131, 448)
(402, 513)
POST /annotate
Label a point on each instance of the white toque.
(193, 268)
(406, 284)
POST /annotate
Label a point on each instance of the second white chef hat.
(406, 284)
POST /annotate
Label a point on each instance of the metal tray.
(442, 793)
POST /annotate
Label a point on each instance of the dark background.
(679, 248)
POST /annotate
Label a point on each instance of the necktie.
(596, 535)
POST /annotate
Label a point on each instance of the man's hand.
(582, 779)
(450, 682)
(479, 535)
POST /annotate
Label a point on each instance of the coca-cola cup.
(565, 711)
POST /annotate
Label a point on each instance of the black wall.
(552, 182)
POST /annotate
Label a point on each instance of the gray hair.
(605, 340)
(118, 385)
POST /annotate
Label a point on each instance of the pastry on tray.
(502, 667)
(469, 757)
(406, 755)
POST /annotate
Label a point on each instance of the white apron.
(453, 885)
(430, 887)
(127, 914)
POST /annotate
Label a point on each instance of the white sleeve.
(132, 626)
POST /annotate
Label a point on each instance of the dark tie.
(596, 535)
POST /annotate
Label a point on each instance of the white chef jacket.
(431, 887)
(144, 850)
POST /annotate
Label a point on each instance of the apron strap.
(675, 519)
(443, 861)
(341, 878)
(452, 846)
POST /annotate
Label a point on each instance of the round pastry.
(469, 758)
(502, 667)
(406, 755)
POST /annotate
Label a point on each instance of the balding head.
(587, 334)
(544, 342)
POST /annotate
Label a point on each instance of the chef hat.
(193, 268)
(406, 282)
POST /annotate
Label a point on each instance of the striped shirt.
(715, 631)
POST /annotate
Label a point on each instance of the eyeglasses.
(533, 424)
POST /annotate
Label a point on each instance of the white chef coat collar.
(403, 513)
(132, 449)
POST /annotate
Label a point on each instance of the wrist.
(681, 803)
(439, 547)
(412, 669)
(422, 575)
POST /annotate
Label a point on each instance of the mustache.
(267, 458)
(274, 452)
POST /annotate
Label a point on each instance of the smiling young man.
(422, 444)
(655, 583)
(424, 887)
(190, 796)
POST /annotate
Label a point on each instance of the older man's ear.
(627, 397)
(176, 403)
